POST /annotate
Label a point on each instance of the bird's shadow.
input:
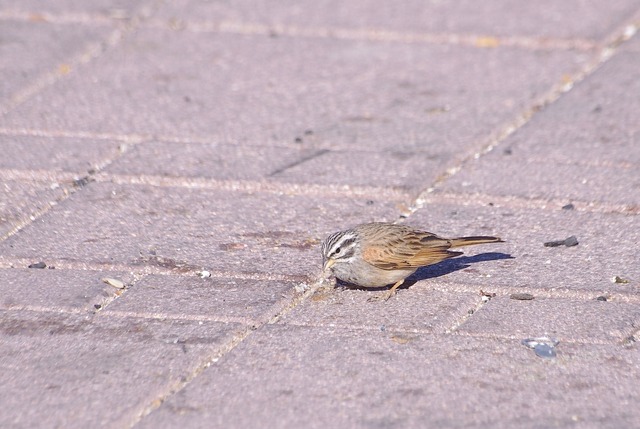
(445, 267)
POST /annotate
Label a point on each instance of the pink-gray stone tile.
(606, 249)
(410, 170)
(564, 319)
(115, 9)
(55, 289)
(19, 201)
(192, 229)
(30, 50)
(396, 169)
(581, 147)
(209, 160)
(62, 370)
(544, 19)
(58, 154)
(210, 298)
(257, 90)
(336, 377)
(417, 308)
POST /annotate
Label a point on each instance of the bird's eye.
(338, 250)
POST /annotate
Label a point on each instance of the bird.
(378, 254)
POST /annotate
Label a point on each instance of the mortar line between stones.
(62, 18)
(283, 307)
(255, 186)
(34, 132)
(518, 202)
(371, 34)
(76, 186)
(155, 402)
(147, 269)
(609, 48)
(459, 198)
(63, 69)
(91, 52)
(364, 191)
(465, 315)
(434, 333)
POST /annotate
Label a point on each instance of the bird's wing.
(409, 251)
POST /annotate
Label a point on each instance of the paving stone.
(268, 91)
(544, 179)
(413, 171)
(224, 299)
(564, 319)
(413, 309)
(606, 248)
(54, 289)
(115, 9)
(29, 50)
(192, 229)
(545, 18)
(55, 154)
(393, 169)
(75, 370)
(581, 147)
(19, 201)
(210, 160)
(313, 377)
(244, 107)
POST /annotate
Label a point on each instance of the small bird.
(379, 254)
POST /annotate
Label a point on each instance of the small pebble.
(38, 265)
(629, 341)
(522, 296)
(543, 347)
(544, 351)
(570, 241)
(118, 284)
(301, 287)
(204, 274)
(620, 280)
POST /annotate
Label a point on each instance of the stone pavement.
(148, 141)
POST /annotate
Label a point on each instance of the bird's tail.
(470, 241)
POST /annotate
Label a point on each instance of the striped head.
(339, 247)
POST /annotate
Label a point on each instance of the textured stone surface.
(566, 320)
(30, 50)
(606, 249)
(190, 230)
(224, 299)
(95, 9)
(19, 201)
(548, 18)
(209, 160)
(76, 367)
(54, 289)
(56, 154)
(234, 136)
(416, 309)
(579, 148)
(311, 377)
(349, 93)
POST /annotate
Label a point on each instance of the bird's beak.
(328, 264)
